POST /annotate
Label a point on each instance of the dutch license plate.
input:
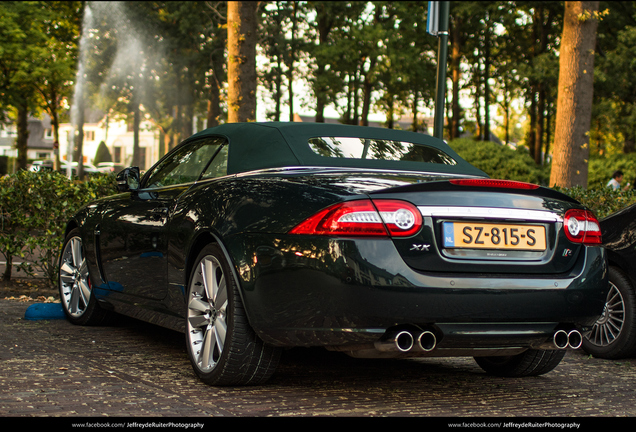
(477, 235)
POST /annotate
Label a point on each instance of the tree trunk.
(217, 75)
(575, 91)
(214, 97)
(548, 138)
(478, 94)
(414, 124)
(79, 136)
(214, 106)
(455, 76)
(538, 141)
(390, 115)
(136, 160)
(23, 135)
(55, 125)
(531, 136)
(486, 84)
(290, 66)
(241, 45)
(279, 90)
(366, 95)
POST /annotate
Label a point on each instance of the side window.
(186, 164)
(218, 166)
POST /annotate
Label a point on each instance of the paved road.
(52, 368)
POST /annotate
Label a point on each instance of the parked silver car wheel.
(207, 313)
(223, 348)
(613, 336)
(76, 294)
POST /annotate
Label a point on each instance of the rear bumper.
(313, 291)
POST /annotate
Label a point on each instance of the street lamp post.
(437, 25)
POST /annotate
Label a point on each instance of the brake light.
(508, 184)
(581, 226)
(363, 218)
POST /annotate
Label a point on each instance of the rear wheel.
(529, 363)
(613, 336)
(76, 293)
(223, 348)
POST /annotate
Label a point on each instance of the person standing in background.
(615, 182)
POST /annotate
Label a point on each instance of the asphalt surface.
(137, 371)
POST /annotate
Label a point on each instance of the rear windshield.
(378, 149)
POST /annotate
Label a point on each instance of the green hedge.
(502, 162)
(499, 161)
(34, 209)
(603, 201)
(602, 168)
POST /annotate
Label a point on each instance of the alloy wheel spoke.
(76, 251)
(66, 270)
(73, 306)
(84, 290)
(207, 269)
(199, 305)
(198, 321)
(207, 349)
(220, 327)
(220, 301)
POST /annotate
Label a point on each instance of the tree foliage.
(168, 62)
(37, 61)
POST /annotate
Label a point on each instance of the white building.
(118, 137)
(116, 134)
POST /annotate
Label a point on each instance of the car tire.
(223, 348)
(76, 294)
(529, 363)
(613, 336)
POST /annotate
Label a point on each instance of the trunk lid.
(487, 230)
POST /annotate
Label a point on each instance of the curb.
(44, 311)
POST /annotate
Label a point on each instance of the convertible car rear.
(378, 243)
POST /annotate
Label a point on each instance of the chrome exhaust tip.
(560, 339)
(400, 341)
(575, 339)
(427, 341)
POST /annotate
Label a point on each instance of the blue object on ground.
(44, 311)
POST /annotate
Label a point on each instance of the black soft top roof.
(255, 146)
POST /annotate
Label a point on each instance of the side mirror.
(128, 180)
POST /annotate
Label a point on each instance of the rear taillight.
(581, 226)
(363, 218)
(507, 184)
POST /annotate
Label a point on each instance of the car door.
(133, 234)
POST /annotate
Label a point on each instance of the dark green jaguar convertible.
(255, 237)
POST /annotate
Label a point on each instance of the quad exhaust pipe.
(405, 341)
(572, 339)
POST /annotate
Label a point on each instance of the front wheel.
(613, 336)
(223, 348)
(529, 363)
(76, 293)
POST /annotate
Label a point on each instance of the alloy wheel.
(207, 313)
(609, 326)
(74, 280)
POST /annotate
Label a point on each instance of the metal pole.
(442, 54)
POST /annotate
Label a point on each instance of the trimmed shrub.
(601, 169)
(499, 161)
(603, 201)
(34, 210)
